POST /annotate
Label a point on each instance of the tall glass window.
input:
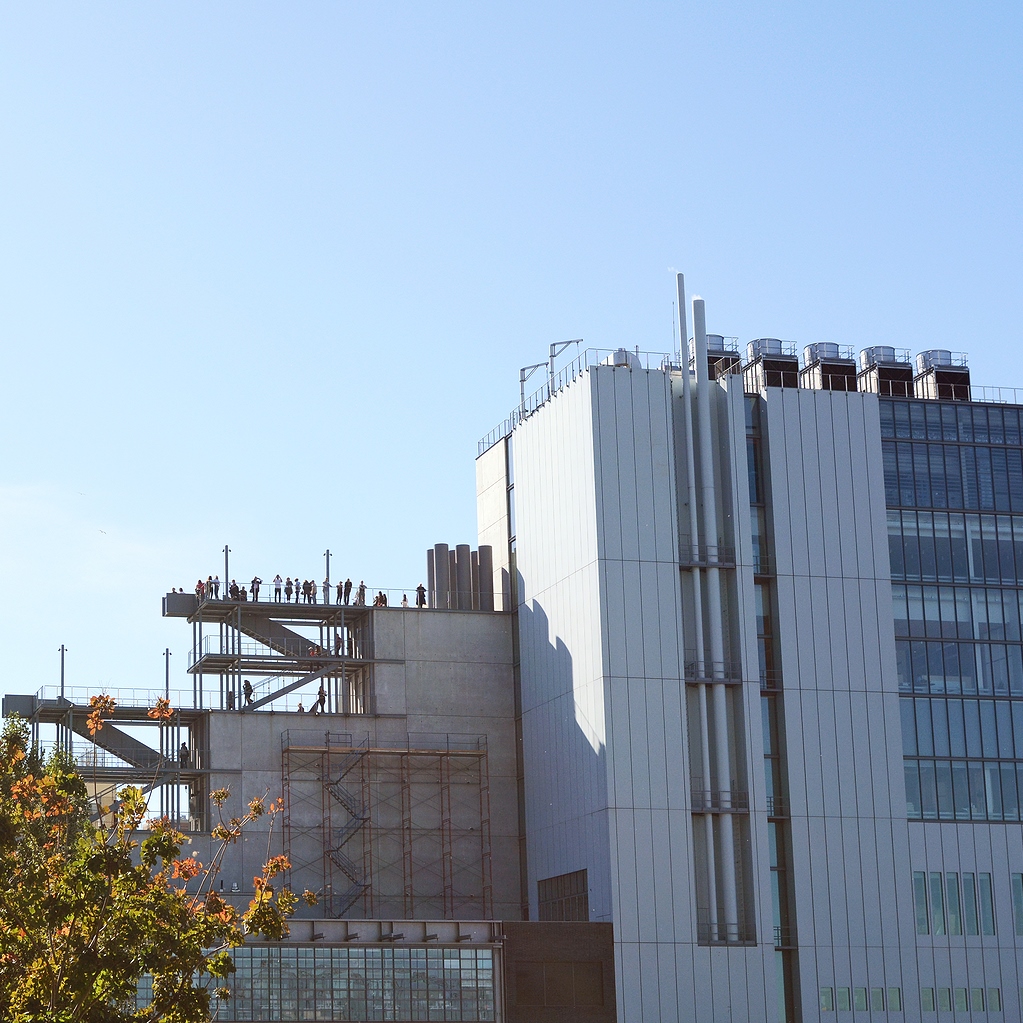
(292, 982)
(954, 489)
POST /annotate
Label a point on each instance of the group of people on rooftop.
(305, 592)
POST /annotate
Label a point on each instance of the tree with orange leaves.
(86, 912)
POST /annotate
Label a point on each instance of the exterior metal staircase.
(123, 746)
(338, 837)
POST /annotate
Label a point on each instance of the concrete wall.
(437, 672)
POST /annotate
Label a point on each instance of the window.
(987, 907)
(970, 904)
(944, 999)
(994, 999)
(860, 999)
(895, 999)
(827, 1000)
(371, 983)
(1017, 903)
(927, 999)
(877, 999)
(843, 1001)
(955, 919)
(937, 903)
(976, 999)
(920, 902)
(565, 897)
(941, 907)
(960, 1000)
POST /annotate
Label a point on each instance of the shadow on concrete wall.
(564, 776)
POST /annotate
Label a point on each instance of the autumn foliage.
(86, 912)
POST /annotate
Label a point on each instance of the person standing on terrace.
(277, 588)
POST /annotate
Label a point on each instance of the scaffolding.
(400, 831)
(262, 652)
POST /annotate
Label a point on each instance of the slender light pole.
(166, 672)
(63, 650)
(326, 581)
(227, 575)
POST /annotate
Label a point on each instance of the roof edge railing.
(566, 375)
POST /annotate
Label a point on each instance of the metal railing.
(267, 595)
(722, 933)
(664, 361)
(997, 395)
(725, 801)
(317, 738)
(695, 555)
(451, 742)
(125, 697)
(566, 375)
(711, 671)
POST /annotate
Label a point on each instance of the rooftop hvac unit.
(828, 367)
(943, 375)
(772, 363)
(886, 370)
(722, 356)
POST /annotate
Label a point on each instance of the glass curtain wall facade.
(954, 491)
(289, 983)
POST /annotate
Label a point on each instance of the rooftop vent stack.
(486, 572)
(886, 371)
(828, 367)
(770, 363)
(442, 575)
(431, 578)
(463, 577)
(722, 356)
(943, 375)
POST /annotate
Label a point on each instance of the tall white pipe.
(715, 624)
(712, 878)
(708, 495)
(694, 515)
(701, 659)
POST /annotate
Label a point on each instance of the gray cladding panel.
(840, 699)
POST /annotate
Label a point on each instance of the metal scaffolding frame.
(396, 830)
(278, 648)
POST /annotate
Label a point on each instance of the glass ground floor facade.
(291, 983)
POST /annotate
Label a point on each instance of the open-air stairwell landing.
(261, 656)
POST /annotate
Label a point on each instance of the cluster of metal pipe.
(714, 726)
(459, 578)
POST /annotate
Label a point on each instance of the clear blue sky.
(269, 270)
